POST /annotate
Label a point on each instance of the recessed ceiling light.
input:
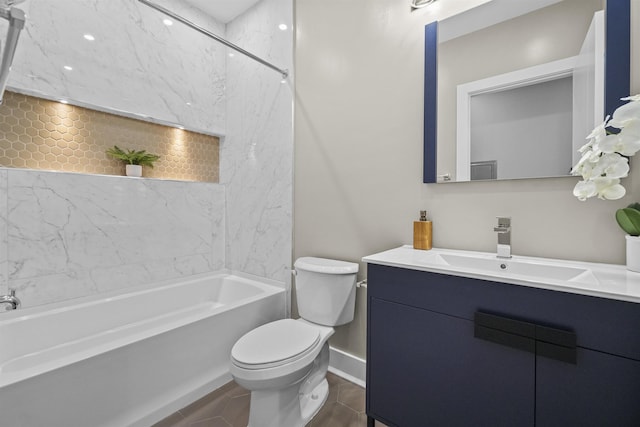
(283, 26)
(64, 101)
(231, 55)
(68, 68)
(89, 37)
(167, 22)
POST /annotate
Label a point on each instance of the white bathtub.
(127, 359)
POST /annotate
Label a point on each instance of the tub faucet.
(504, 237)
(11, 299)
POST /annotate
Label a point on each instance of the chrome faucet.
(11, 299)
(504, 237)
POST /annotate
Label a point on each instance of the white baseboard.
(348, 366)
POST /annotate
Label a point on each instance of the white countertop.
(599, 280)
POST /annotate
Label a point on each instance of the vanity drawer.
(600, 324)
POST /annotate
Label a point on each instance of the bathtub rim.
(149, 286)
(7, 379)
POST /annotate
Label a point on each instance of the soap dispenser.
(422, 232)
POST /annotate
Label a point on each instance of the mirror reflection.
(520, 90)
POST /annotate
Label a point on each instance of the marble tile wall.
(66, 235)
(135, 64)
(256, 157)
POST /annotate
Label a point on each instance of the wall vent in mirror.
(40, 134)
(559, 65)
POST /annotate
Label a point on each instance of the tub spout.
(11, 299)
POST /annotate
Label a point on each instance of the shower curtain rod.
(208, 33)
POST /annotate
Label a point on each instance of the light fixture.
(68, 67)
(89, 37)
(167, 22)
(231, 55)
(64, 101)
(417, 4)
(283, 26)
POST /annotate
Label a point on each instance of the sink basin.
(512, 266)
(585, 278)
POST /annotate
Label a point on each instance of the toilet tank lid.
(324, 265)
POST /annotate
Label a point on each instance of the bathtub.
(127, 359)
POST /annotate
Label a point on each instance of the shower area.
(67, 235)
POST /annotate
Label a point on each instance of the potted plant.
(629, 220)
(133, 159)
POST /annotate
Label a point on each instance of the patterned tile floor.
(229, 407)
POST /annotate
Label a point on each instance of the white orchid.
(626, 113)
(600, 131)
(605, 156)
(604, 188)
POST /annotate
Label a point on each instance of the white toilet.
(284, 363)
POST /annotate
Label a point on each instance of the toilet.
(284, 363)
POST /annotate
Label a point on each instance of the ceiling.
(223, 10)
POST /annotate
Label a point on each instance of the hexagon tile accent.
(36, 133)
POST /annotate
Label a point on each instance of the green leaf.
(133, 157)
(629, 220)
(635, 206)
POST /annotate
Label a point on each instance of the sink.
(585, 278)
(528, 268)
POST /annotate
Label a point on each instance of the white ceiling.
(223, 10)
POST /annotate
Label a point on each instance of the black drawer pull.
(556, 352)
(541, 340)
(504, 338)
(556, 336)
(505, 324)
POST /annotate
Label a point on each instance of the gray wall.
(358, 154)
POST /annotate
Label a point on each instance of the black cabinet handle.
(557, 344)
(556, 352)
(504, 338)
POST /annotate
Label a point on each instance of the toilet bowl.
(284, 363)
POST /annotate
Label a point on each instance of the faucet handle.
(504, 221)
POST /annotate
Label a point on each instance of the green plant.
(629, 219)
(133, 157)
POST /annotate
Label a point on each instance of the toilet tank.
(326, 290)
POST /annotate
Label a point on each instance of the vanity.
(459, 338)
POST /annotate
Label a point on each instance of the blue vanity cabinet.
(451, 351)
(425, 373)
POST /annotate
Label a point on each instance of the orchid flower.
(604, 158)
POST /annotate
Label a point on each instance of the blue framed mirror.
(462, 115)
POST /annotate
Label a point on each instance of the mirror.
(507, 83)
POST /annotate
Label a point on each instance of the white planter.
(134, 170)
(633, 253)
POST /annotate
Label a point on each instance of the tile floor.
(229, 407)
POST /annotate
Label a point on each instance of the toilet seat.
(275, 344)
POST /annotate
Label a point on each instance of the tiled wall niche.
(39, 134)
